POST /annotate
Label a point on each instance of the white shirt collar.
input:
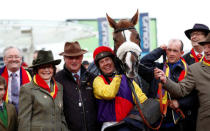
(196, 53)
(17, 72)
(2, 104)
(78, 73)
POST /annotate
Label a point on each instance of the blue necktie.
(14, 90)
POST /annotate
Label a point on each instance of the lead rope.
(162, 109)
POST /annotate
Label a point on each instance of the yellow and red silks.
(41, 83)
(24, 78)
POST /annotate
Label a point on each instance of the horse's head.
(126, 43)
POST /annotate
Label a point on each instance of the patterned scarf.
(24, 78)
(206, 62)
(167, 69)
(193, 55)
(41, 83)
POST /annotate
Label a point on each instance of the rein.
(162, 109)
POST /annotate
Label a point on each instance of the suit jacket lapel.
(8, 114)
(206, 68)
(1, 123)
(43, 90)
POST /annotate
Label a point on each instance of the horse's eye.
(137, 37)
(115, 40)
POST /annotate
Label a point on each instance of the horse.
(127, 48)
(126, 43)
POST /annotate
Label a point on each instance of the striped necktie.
(14, 90)
(77, 78)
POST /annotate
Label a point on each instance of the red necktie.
(199, 56)
(77, 78)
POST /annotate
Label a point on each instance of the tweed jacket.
(12, 119)
(38, 111)
(198, 78)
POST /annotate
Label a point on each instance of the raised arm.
(180, 89)
(106, 91)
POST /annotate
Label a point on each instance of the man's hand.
(174, 104)
(160, 75)
(163, 46)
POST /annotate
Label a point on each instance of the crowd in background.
(98, 97)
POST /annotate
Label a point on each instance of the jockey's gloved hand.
(119, 66)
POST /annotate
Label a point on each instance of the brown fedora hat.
(207, 41)
(72, 49)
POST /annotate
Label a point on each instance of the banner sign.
(144, 32)
(103, 30)
(153, 33)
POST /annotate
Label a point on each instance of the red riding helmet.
(101, 52)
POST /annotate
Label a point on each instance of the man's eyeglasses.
(196, 33)
(11, 57)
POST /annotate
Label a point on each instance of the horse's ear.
(134, 19)
(112, 23)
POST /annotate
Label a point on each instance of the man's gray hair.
(11, 47)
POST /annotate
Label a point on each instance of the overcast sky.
(173, 16)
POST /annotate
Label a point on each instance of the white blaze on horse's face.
(128, 53)
(128, 60)
(126, 39)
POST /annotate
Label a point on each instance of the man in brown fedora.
(78, 98)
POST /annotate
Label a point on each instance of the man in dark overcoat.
(79, 102)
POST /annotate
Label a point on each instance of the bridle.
(123, 29)
(133, 53)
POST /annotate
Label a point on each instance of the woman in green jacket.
(41, 100)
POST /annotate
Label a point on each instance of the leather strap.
(162, 109)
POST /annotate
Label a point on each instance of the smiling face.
(106, 65)
(73, 63)
(207, 51)
(12, 59)
(46, 71)
(196, 37)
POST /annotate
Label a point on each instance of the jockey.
(114, 97)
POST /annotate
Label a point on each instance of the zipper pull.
(80, 104)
